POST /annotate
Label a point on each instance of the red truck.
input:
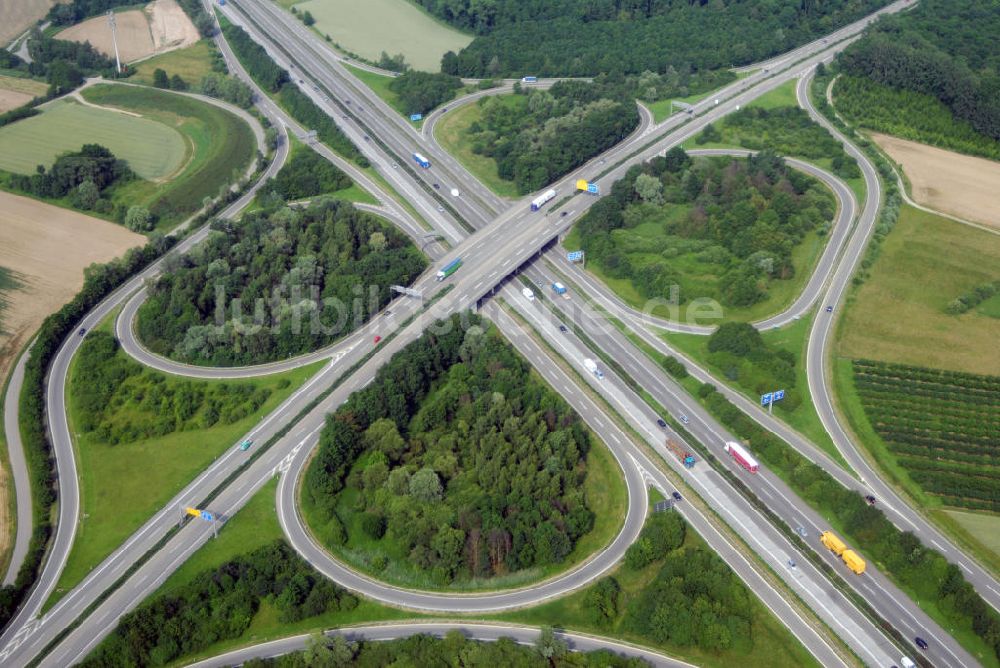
(742, 456)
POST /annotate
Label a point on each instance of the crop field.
(943, 427)
(962, 185)
(160, 27)
(899, 313)
(369, 27)
(220, 146)
(153, 150)
(19, 15)
(15, 91)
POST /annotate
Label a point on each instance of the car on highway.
(563, 214)
(367, 138)
(83, 330)
(870, 499)
(684, 418)
(677, 496)
(245, 445)
(921, 643)
(376, 339)
(802, 532)
(662, 423)
(791, 563)
(829, 309)
(562, 328)
(394, 165)
(437, 186)
(441, 209)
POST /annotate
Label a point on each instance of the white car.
(528, 294)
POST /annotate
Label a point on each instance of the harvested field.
(162, 26)
(946, 181)
(11, 100)
(153, 150)
(15, 91)
(19, 15)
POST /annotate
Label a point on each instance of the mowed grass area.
(985, 528)
(793, 338)
(773, 645)
(220, 148)
(369, 27)
(124, 485)
(153, 150)
(898, 313)
(782, 96)
(191, 64)
(451, 132)
(254, 526)
(606, 495)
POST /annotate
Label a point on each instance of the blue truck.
(422, 161)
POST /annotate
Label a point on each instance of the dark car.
(921, 643)
(562, 328)
(829, 309)
(83, 330)
(662, 423)
(677, 496)
(563, 213)
(870, 499)
(437, 186)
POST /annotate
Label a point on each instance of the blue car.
(245, 445)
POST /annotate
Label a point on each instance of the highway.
(516, 242)
(485, 632)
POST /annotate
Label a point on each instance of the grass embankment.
(379, 84)
(782, 96)
(793, 338)
(451, 132)
(219, 149)
(122, 486)
(772, 644)
(191, 64)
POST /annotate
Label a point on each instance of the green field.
(219, 145)
(153, 150)
(898, 313)
(450, 132)
(395, 26)
(782, 96)
(122, 486)
(191, 63)
(985, 528)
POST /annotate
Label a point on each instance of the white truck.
(592, 367)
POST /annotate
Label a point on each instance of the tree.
(739, 338)
(549, 646)
(308, 18)
(425, 485)
(138, 219)
(649, 188)
(177, 83)
(63, 77)
(86, 195)
(377, 242)
(160, 78)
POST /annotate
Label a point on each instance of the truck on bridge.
(449, 269)
(422, 161)
(686, 458)
(540, 201)
(742, 456)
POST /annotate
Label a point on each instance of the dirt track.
(946, 181)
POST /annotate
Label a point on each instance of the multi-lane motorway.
(505, 239)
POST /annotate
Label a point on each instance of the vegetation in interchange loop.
(455, 461)
(308, 276)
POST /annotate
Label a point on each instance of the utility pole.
(114, 40)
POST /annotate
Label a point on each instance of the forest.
(785, 130)
(454, 649)
(220, 604)
(83, 175)
(303, 278)
(569, 38)
(419, 92)
(544, 134)
(307, 174)
(123, 401)
(945, 49)
(456, 460)
(719, 228)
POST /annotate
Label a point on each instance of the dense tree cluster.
(927, 573)
(122, 401)
(82, 175)
(457, 459)
(551, 132)
(784, 130)
(99, 281)
(218, 605)
(661, 534)
(227, 88)
(303, 277)
(946, 49)
(739, 351)
(307, 174)
(419, 92)
(452, 650)
(674, 222)
(273, 79)
(571, 38)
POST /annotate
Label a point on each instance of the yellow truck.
(837, 546)
(853, 561)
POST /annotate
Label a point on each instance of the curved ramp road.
(484, 632)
